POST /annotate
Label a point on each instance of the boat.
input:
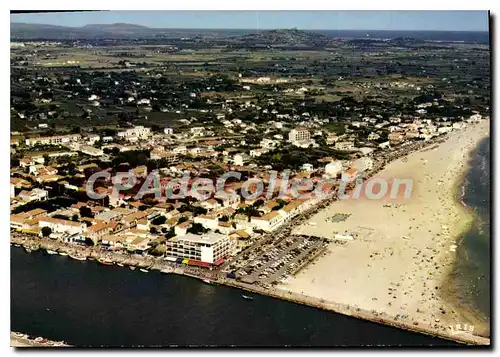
(27, 249)
(210, 282)
(17, 245)
(246, 297)
(63, 254)
(78, 257)
(132, 268)
(105, 261)
(144, 270)
(51, 251)
(120, 264)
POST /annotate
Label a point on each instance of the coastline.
(398, 270)
(467, 312)
(349, 308)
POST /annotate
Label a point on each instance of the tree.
(159, 220)
(86, 212)
(46, 231)
(197, 228)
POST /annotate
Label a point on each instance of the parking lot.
(274, 262)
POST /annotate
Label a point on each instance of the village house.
(208, 221)
(344, 145)
(36, 194)
(396, 137)
(267, 222)
(61, 226)
(181, 228)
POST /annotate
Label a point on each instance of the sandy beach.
(402, 251)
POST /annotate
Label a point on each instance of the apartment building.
(209, 248)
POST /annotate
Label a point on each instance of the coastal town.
(298, 163)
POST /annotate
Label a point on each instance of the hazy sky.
(321, 20)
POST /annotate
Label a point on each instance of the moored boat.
(78, 257)
(63, 254)
(105, 261)
(132, 268)
(51, 252)
(27, 249)
(210, 282)
(246, 297)
(144, 270)
(120, 264)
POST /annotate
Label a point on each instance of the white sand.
(380, 270)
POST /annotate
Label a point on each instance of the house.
(211, 204)
(35, 194)
(208, 221)
(363, 164)
(61, 226)
(333, 168)
(350, 175)
(181, 229)
(373, 136)
(267, 222)
(97, 231)
(307, 167)
(396, 137)
(241, 159)
(168, 131)
(344, 145)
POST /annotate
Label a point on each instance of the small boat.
(17, 245)
(120, 264)
(165, 271)
(246, 297)
(51, 252)
(63, 254)
(27, 249)
(210, 282)
(105, 261)
(144, 270)
(78, 257)
(132, 268)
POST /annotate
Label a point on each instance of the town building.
(209, 248)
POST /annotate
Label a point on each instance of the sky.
(305, 20)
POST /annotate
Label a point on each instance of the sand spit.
(402, 251)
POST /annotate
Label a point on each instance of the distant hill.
(288, 37)
(25, 31)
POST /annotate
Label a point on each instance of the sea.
(471, 275)
(91, 305)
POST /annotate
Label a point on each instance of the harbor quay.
(159, 264)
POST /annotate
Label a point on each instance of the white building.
(137, 132)
(61, 225)
(208, 248)
(344, 145)
(307, 167)
(36, 194)
(208, 221)
(299, 134)
(363, 164)
(240, 159)
(53, 140)
(333, 168)
(267, 222)
(168, 131)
